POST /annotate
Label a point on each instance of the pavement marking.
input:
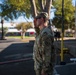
(19, 55)
(13, 61)
(14, 55)
(17, 58)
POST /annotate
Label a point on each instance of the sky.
(21, 18)
(73, 1)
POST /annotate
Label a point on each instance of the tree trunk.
(22, 35)
(44, 6)
(33, 8)
(48, 7)
(41, 4)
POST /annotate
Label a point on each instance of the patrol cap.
(42, 14)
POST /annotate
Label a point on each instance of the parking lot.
(16, 57)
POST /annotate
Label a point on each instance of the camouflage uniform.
(44, 52)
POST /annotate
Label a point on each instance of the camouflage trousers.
(38, 72)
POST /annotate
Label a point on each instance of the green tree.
(68, 13)
(5, 31)
(9, 11)
(23, 27)
(15, 8)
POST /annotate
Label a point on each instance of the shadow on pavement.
(16, 59)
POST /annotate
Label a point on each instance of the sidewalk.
(68, 38)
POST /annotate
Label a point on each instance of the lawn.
(19, 37)
(26, 38)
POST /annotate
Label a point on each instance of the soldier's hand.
(35, 22)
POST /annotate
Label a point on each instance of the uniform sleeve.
(46, 46)
(37, 30)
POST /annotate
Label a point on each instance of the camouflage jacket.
(43, 52)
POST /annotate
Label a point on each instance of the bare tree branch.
(48, 6)
(41, 4)
(44, 3)
(33, 8)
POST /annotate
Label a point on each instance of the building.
(11, 28)
(12, 31)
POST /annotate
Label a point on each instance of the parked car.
(30, 32)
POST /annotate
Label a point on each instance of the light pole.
(62, 33)
(75, 19)
(2, 21)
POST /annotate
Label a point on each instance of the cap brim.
(37, 17)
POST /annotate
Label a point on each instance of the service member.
(43, 51)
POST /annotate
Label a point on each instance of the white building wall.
(10, 26)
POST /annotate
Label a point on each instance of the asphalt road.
(16, 57)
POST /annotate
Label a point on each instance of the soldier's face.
(36, 22)
(39, 21)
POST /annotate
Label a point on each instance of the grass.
(25, 39)
(17, 36)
